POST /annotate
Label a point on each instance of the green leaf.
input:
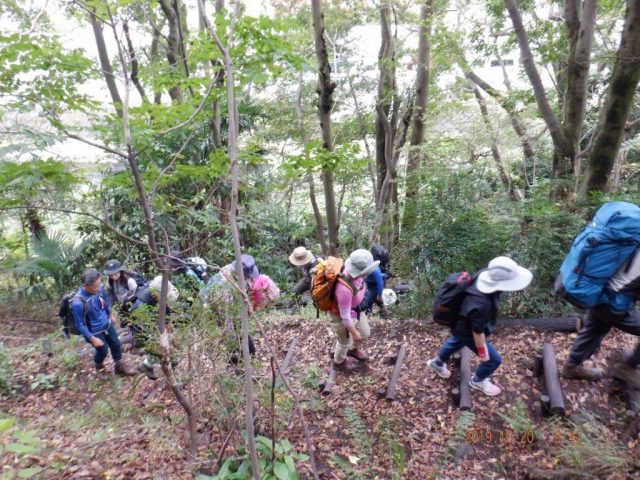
(29, 472)
(281, 470)
(7, 423)
(289, 461)
(22, 449)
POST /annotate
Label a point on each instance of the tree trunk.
(173, 46)
(153, 54)
(387, 107)
(325, 103)
(514, 117)
(312, 187)
(619, 100)
(363, 133)
(575, 98)
(134, 63)
(419, 114)
(495, 151)
(565, 152)
(105, 63)
(233, 157)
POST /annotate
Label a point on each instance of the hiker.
(306, 261)
(149, 295)
(373, 294)
(223, 298)
(188, 277)
(476, 319)
(376, 282)
(121, 285)
(601, 273)
(349, 324)
(93, 319)
(598, 321)
(262, 291)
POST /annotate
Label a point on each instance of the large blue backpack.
(596, 254)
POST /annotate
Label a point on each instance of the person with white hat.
(307, 261)
(476, 319)
(350, 326)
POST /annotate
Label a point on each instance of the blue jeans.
(485, 369)
(111, 342)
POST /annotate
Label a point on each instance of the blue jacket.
(375, 281)
(98, 313)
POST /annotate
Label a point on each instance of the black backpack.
(381, 253)
(446, 305)
(66, 315)
(140, 280)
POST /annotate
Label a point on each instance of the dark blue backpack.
(596, 254)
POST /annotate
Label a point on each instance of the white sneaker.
(442, 371)
(486, 387)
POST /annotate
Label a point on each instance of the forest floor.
(62, 420)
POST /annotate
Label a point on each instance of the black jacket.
(478, 313)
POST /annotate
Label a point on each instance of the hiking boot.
(626, 373)
(148, 371)
(347, 365)
(486, 387)
(122, 368)
(574, 371)
(442, 371)
(99, 367)
(358, 354)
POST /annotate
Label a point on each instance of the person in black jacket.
(477, 320)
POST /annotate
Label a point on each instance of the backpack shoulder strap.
(346, 281)
(85, 308)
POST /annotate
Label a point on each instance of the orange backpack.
(323, 284)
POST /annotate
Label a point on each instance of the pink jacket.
(347, 301)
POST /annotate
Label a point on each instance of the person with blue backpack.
(601, 274)
(469, 305)
(94, 321)
(376, 282)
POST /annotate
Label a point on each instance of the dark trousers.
(485, 369)
(302, 286)
(111, 342)
(597, 323)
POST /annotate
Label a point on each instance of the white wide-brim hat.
(503, 275)
(300, 256)
(360, 263)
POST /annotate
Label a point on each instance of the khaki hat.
(503, 275)
(360, 263)
(301, 256)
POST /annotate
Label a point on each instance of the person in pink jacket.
(350, 325)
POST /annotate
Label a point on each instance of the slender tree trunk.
(233, 157)
(495, 151)
(325, 103)
(134, 63)
(154, 54)
(312, 188)
(387, 107)
(363, 134)
(173, 46)
(514, 117)
(419, 115)
(105, 63)
(613, 117)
